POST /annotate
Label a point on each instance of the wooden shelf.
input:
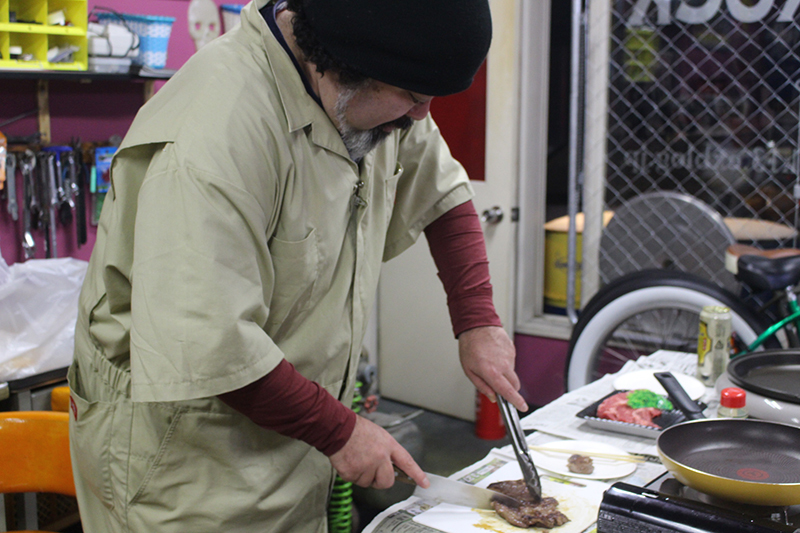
(83, 75)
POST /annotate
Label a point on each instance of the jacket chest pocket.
(296, 266)
(390, 186)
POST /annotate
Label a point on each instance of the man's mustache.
(402, 123)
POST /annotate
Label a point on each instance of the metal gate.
(697, 97)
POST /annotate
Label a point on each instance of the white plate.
(603, 468)
(644, 379)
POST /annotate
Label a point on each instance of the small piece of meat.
(644, 416)
(543, 514)
(616, 408)
(580, 464)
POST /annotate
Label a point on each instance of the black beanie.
(431, 47)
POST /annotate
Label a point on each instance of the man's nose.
(420, 111)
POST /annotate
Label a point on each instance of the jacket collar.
(299, 107)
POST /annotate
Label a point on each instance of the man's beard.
(360, 142)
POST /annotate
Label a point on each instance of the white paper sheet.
(580, 504)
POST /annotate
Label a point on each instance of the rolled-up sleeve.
(201, 286)
(432, 183)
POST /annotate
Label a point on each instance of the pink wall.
(540, 365)
(92, 112)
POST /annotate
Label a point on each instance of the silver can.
(713, 343)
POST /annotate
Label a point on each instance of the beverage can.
(713, 343)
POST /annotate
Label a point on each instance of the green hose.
(340, 508)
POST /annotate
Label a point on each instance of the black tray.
(664, 420)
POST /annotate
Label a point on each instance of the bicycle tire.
(626, 319)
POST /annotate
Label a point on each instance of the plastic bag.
(38, 311)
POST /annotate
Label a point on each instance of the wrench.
(52, 190)
(27, 165)
(74, 199)
(11, 183)
(71, 182)
(65, 203)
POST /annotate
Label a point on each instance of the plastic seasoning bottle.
(732, 403)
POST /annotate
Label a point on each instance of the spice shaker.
(732, 403)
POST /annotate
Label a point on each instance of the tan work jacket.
(237, 232)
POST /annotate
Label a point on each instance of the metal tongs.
(520, 445)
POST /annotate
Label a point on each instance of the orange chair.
(34, 453)
(59, 398)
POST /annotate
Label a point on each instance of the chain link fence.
(702, 102)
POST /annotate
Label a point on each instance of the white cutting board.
(580, 504)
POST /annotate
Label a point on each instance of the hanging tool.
(52, 194)
(70, 181)
(47, 202)
(11, 186)
(60, 191)
(27, 165)
(80, 199)
(520, 445)
(64, 193)
(36, 191)
(3, 154)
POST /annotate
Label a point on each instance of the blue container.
(153, 32)
(230, 15)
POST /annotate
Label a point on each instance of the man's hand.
(369, 457)
(487, 356)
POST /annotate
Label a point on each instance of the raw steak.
(616, 408)
(529, 514)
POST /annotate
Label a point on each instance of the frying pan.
(742, 460)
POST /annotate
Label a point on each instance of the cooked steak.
(580, 464)
(529, 514)
(616, 408)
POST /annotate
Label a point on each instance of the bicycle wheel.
(646, 311)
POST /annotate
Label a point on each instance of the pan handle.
(678, 395)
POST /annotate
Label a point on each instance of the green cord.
(340, 509)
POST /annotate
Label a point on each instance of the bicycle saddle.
(764, 269)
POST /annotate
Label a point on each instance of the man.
(237, 258)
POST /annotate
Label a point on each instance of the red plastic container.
(488, 421)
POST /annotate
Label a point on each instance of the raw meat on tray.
(616, 408)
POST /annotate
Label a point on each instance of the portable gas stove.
(666, 505)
